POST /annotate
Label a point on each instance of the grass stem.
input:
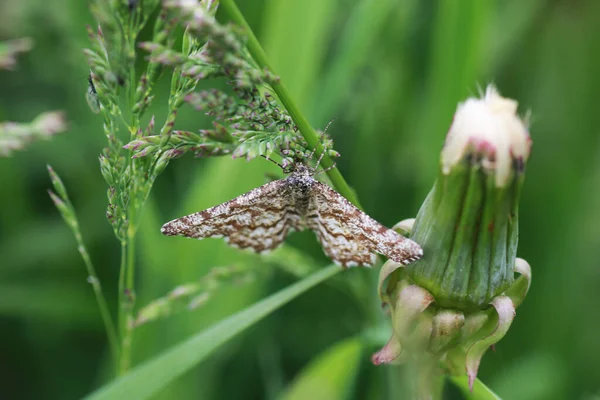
(122, 307)
(109, 325)
(300, 120)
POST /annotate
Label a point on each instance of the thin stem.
(122, 305)
(111, 332)
(130, 262)
(67, 211)
(306, 129)
(128, 299)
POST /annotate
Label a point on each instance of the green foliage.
(249, 124)
(479, 392)
(14, 135)
(208, 50)
(391, 73)
(193, 294)
(150, 377)
(330, 375)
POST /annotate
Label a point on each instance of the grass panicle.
(193, 295)
(248, 122)
(16, 136)
(62, 202)
(10, 49)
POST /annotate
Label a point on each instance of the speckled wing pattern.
(262, 218)
(349, 236)
(259, 220)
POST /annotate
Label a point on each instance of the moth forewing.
(262, 218)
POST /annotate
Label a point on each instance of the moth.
(261, 219)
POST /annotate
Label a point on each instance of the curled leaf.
(390, 352)
(520, 287)
(386, 270)
(412, 300)
(506, 313)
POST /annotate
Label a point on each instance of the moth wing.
(350, 237)
(342, 242)
(259, 220)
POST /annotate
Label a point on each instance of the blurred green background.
(392, 73)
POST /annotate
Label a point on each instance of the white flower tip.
(489, 128)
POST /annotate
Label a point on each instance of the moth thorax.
(301, 169)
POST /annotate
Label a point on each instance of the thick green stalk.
(479, 392)
(306, 129)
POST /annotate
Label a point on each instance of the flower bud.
(449, 307)
(468, 225)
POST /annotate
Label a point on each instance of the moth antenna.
(273, 161)
(312, 153)
(320, 158)
(329, 123)
(332, 166)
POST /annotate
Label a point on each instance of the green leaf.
(330, 375)
(480, 391)
(147, 379)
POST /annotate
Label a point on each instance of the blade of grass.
(331, 375)
(300, 120)
(147, 379)
(480, 391)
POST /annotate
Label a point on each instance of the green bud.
(106, 170)
(468, 225)
(187, 43)
(449, 307)
(60, 205)
(57, 183)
